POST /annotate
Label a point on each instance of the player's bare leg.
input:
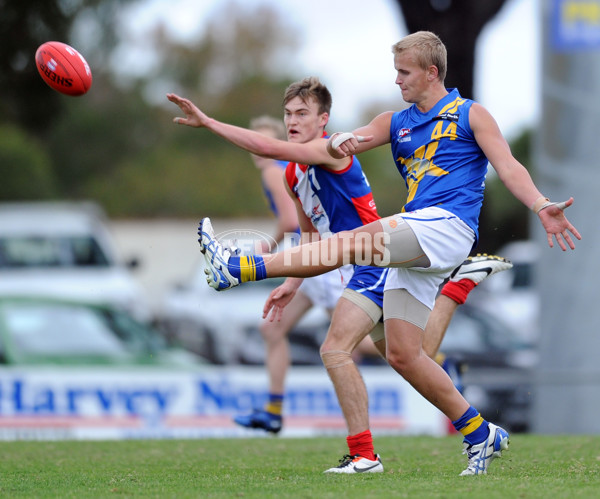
(437, 324)
(349, 326)
(406, 355)
(275, 335)
(364, 243)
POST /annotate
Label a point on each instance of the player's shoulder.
(386, 116)
(478, 114)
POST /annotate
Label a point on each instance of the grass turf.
(535, 466)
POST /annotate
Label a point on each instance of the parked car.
(511, 296)
(65, 250)
(224, 326)
(497, 363)
(48, 331)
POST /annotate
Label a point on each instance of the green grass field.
(428, 467)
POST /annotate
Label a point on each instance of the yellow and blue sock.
(247, 268)
(275, 404)
(473, 427)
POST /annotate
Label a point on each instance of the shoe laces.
(477, 463)
(232, 247)
(346, 460)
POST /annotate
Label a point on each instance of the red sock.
(361, 444)
(458, 291)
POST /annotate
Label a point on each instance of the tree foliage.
(26, 171)
(118, 145)
(24, 26)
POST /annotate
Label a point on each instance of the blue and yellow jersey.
(267, 192)
(439, 159)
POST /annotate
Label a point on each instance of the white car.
(512, 296)
(224, 327)
(64, 250)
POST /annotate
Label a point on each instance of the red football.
(63, 68)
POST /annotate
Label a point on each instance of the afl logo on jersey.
(404, 135)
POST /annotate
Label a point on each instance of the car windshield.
(65, 251)
(60, 330)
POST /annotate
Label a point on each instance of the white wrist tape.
(542, 203)
(340, 138)
(561, 206)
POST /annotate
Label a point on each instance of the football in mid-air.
(63, 68)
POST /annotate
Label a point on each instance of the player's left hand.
(194, 117)
(557, 226)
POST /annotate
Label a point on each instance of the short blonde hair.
(270, 123)
(429, 50)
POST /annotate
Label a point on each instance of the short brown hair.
(429, 50)
(308, 88)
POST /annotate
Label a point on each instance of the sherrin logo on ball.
(63, 68)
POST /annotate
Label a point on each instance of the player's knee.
(272, 331)
(403, 362)
(332, 359)
(399, 360)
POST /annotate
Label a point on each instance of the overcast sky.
(356, 63)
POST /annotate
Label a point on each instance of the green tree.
(131, 157)
(26, 171)
(24, 26)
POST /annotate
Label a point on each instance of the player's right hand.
(194, 117)
(277, 301)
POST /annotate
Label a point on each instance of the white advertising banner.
(118, 403)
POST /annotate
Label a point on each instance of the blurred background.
(101, 194)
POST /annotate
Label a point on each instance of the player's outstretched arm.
(249, 140)
(517, 180)
(313, 152)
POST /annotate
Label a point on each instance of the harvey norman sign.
(142, 403)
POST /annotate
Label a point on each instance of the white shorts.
(447, 242)
(325, 290)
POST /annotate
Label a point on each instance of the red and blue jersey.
(439, 158)
(333, 200)
(336, 201)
